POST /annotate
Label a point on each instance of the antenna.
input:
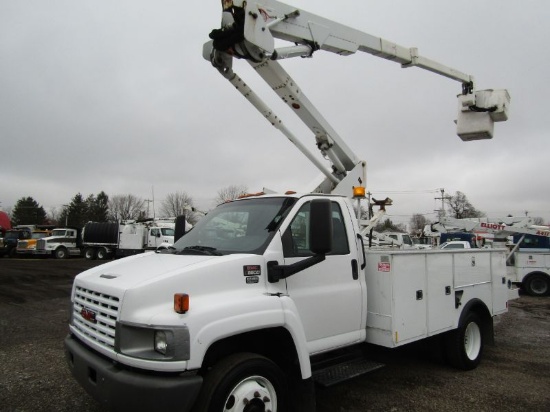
(153, 193)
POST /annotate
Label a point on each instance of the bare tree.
(388, 226)
(230, 193)
(461, 206)
(418, 222)
(126, 207)
(179, 203)
(53, 215)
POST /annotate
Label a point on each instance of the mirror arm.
(276, 272)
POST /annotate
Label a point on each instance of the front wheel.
(244, 382)
(537, 285)
(61, 253)
(464, 345)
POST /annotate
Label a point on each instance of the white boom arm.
(502, 226)
(249, 30)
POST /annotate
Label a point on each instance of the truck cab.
(529, 265)
(62, 243)
(396, 239)
(28, 246)
(9, 246)
(455, 244)
(160, 237)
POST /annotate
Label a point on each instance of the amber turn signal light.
(181, 303)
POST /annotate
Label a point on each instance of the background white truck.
(101, 240)
(528, 261)
(530, 268)
(266, 293)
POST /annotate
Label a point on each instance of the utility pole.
(441, 212)
(369, 208)
(66, 210)
(148, 201)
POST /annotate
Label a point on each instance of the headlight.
(153, 343)
(161, 344)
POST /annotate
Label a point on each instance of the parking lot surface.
(513, 376)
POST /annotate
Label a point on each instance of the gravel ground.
(513, 376)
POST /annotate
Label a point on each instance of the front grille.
(95, 315)
(40, 244)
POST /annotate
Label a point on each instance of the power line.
(405, 192)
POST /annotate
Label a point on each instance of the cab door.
(328, 295)
(154, 238)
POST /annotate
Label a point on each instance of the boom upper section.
(249, 30)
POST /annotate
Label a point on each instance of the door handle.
(354, 269)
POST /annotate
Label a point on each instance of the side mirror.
(179, 230)
(320, 242)
(320, 226)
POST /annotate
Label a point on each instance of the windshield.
(407, 240)
(17, 235)
(452, 246)
(244, 226)
(58, 233)
(167, 231)
(39, 235)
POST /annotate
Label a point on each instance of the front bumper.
(120, 388)
(42, 252)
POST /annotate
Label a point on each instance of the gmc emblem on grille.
(88, 314)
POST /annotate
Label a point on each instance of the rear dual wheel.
(464, 345)
(102, 254)
(89, 253)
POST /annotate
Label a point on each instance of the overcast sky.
(115, 96)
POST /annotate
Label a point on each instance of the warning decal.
(384, 266)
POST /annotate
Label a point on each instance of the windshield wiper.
(168, 250)
(199, 250)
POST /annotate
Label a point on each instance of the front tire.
(61, 253)
(244, 382)
(464, 345)
(537, 285)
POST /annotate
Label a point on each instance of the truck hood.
(132, 271)
(144, 285)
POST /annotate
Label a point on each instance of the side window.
(296, 238)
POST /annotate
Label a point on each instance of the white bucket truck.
(265, 294)
(528, 262)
